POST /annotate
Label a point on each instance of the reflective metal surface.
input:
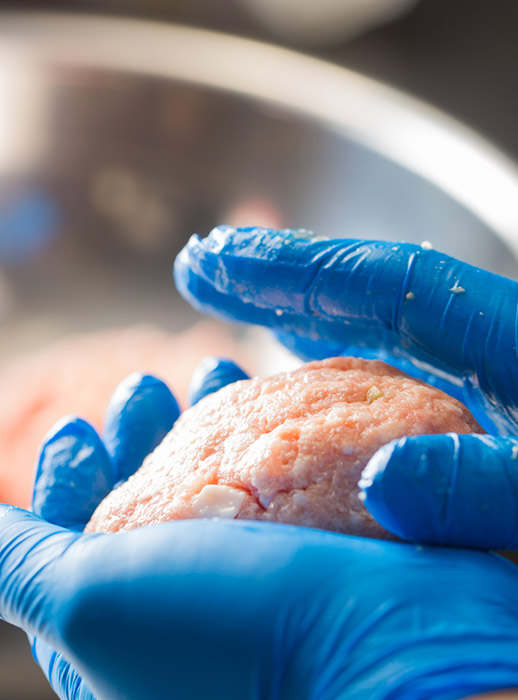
(122, 138)
(118, 139)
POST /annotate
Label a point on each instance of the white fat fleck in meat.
(218, 501)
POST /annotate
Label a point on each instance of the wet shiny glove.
(236, 610)
(432, 316)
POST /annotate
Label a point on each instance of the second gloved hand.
(432, 316)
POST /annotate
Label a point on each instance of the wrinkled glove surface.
(432, 316)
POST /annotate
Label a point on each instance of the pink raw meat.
(78, 375)
(288, 448)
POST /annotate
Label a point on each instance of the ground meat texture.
(288, 448)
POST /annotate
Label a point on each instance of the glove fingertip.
(135, 389)
(212, 374)
(70, 425)
(376, 490)
(73, 474)
(406, 487)
(141, 412)
(455, 490)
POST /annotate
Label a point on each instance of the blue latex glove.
(435, 317)
(235, 610)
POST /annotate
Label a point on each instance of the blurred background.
(458, 54)
(119, 139)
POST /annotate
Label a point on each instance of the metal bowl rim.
(400, 127)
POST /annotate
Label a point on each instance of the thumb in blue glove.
(459, 490)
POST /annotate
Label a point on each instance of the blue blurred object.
(28, 224)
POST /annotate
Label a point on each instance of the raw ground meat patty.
(78, 375)
(288, 448)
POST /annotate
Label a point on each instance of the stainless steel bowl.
(130, 136)
(119, 138)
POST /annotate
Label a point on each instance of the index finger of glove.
(30, 583)
(141, 412)
(73, 474)
(410, 302)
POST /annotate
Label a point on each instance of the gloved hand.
(235, 610)
(432, 316)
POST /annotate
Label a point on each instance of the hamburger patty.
(288, 448)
